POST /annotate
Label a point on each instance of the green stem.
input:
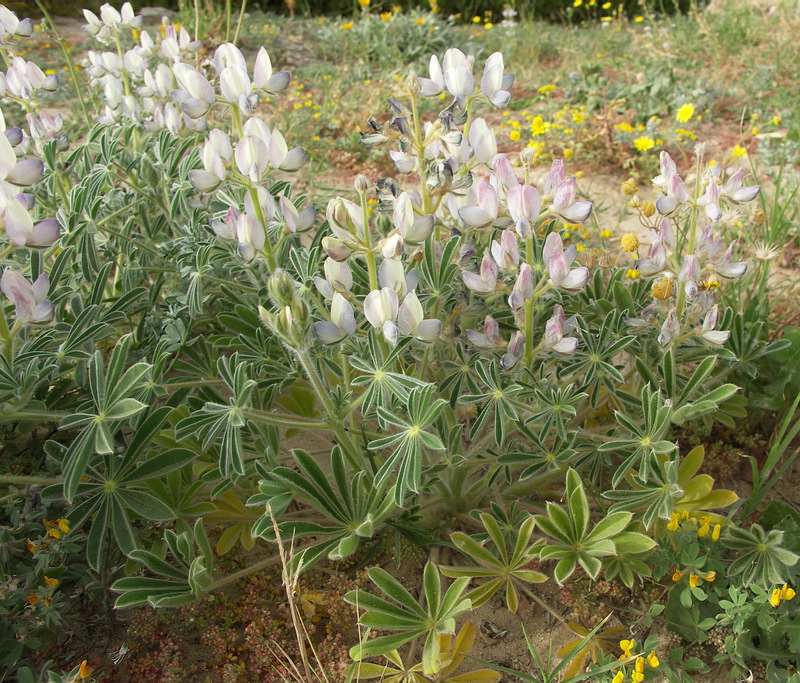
(371, 267)
(27, 481)
(280, 420)
(70, 64)
(239, 23)
(227, 20)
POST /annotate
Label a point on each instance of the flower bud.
(281, 288)
(648, 209)
(412, 82)
(361, 183)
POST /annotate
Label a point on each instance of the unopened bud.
(759, 217)
(412, 82)
(648, 209)
(281, 288)
(361, 183)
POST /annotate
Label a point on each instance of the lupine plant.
(179, 315)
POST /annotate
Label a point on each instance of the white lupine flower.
(458, 78)
(297, 221)
(252, 157)
(251, 236)
(505, 252)
(494, 84)
(392, 275)
(346, 221)
(411, 322)
(670, 329)
(557, 262)
(196, 94)
(264, 78)
(338, 278)
(413, 229)
(738, 194)
(380, 309)
(341, 325)
(483, 142)
(435, 84)
(10, 25)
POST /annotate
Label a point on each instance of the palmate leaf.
(436, 619)
(353, 504)
(500, 568)
(497, 401)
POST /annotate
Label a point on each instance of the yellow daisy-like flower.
(638, 20)
(514, 135)
(629, 186)
(630, 242)
(476, 20)
(738, 152)
(364, 3)
(605, 234)
(648, 209)
(685, 113)
(84, 671)
(644, 143)
(577, 3)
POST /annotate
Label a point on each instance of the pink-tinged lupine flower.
(689, 274)
(709, 331)
(728, 270)
(495, 84)
(413, 229)
(514, 351)
(670, 329)
(338, 278)
(380, 310)
(565, 204)
(342, 322)
(483, 142)
(345, 220)
(554, 178)
(677, 194)
(557, 262)
(411, 321)
(40, 236)
(504, 177)
(486, 281)
(505, 252)
(11, 25)
(336, 248)
(483, 213)
(251, 236)
(738, 194)
(555, 329)
(490, 338)
(264, 78)
(710, 201)
(523, 288)
(32, 305)
(667, 167)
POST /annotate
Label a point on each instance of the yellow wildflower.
(648, 209)
(619, 677)
(30, 545)
(54, 533)
(787, 593)
(63, 525)
(776, 120)
(674, 521)
(577, 3)
(84, 671)
(710, 576)
(716, 532)
(644, 143)
(627, 647)
(364, 3)
(625, 127)
(702, 532)
(420, 21)
(606, 5)
(514, 135)
(685, 113)
(569, 153)
(738, 152)
(632, 274)
(51, 582)
(629, 186)
(385, 16)
(652, 660)
(637, 677)
(639, 665)
(630, 242)
(638, 20)
(547, 88)
(755, 130)
(33, 598)
(775, 598)
(605, 234)
(677, 576)
(694, 579)
(488, 25)
(476, 20)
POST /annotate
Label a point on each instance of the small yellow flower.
(644, 143)
(787, 593)
(630, 242)
(716, 532)
(488, 26)
(347, 26)
(638, 20)
(476, 20)
(755, 130)
(547, 88)
(619, 677)
(33, 598)
(569, 153)
(685, 113)
(677, 576)
(420, 21)
(31, 546)
(54, 533)
(637, 677)
(63, 525)
(385, 16)
(632, 274)
(674, 522)
(606, 5)
(51, 582)
(775, 598)
(738, 152)
(710, 576)
(605, 233)
(776, 120)
(514, 135)
(694, 579)
(84, 671)
(639, 665)
(652, 660)
(625, 127)
(627, 647)
(364, 3)
(702, 532)
(577, 3)
(629, 187)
